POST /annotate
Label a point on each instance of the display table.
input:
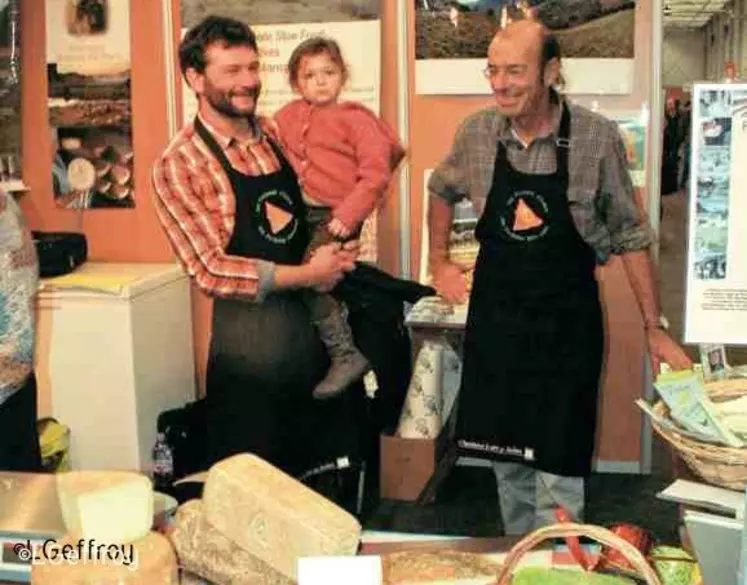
(114, 350)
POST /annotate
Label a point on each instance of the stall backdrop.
(134, 235)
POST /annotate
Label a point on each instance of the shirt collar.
(506, 133)
(226, 140)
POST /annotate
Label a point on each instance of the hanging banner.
(597, 41)
(280, 27)
(716, 294)
(89, 100)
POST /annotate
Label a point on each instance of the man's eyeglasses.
(490, 72)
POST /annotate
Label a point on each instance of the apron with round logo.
(534, 338)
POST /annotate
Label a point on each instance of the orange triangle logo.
(278, 218)
(525, 218)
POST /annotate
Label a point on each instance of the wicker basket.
(719, 465)
(606, 537)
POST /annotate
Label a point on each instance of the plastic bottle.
(163, 463)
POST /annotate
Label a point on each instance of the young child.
(344, 157)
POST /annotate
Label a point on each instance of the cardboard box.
(408, 464)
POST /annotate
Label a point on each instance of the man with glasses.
(550, 184)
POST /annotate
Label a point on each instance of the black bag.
(59, 252)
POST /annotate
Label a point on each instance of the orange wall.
(135, 235)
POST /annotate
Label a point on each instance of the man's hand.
(328, 265)
(664, 349)
(337, 228)
(351, 250)
(450, 283)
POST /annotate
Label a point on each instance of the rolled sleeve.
(449, 180)
(627, 222)
(266, 274)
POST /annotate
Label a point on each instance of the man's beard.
(221, 102)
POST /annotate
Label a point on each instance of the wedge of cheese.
(109, 507)
(205, 552)
(148, 561)
(273, 516)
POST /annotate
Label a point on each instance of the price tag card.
(363, 570)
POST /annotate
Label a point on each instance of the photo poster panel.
(716, 281)
(632, 127)
(280, 27)
(89, 102)
(597, 42)
(10, 96)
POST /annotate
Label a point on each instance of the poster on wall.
(632, 127)
(597, 42)
(90, 111)
(716, 292)
(280, 27)
(10, 96)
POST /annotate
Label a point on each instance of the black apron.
(534, 339)
(265, 358)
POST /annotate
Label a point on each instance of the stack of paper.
(689, 406)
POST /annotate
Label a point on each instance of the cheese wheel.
(109, 507)
(273, 516)
(121, 174)
(207, 553)
(148, 561)
(71, 143)
(120, 191)
(81, 173)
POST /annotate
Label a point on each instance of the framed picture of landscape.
(597, 41)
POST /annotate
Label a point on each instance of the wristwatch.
(662, 323)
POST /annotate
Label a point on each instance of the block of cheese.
(273, 516)
(110, 507)
(208, 554)
(150, 560)
(188, 578)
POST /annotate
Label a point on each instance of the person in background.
(670, 148)
(231, 207)
(344, 156)
(550, 184)
(19, 281)
(685, 132)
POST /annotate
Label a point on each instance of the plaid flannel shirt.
(600, 194)
(195, 204)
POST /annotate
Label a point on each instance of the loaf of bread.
(438, 567)
(207, 553)
(273, 516)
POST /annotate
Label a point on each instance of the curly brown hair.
(311, 47)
